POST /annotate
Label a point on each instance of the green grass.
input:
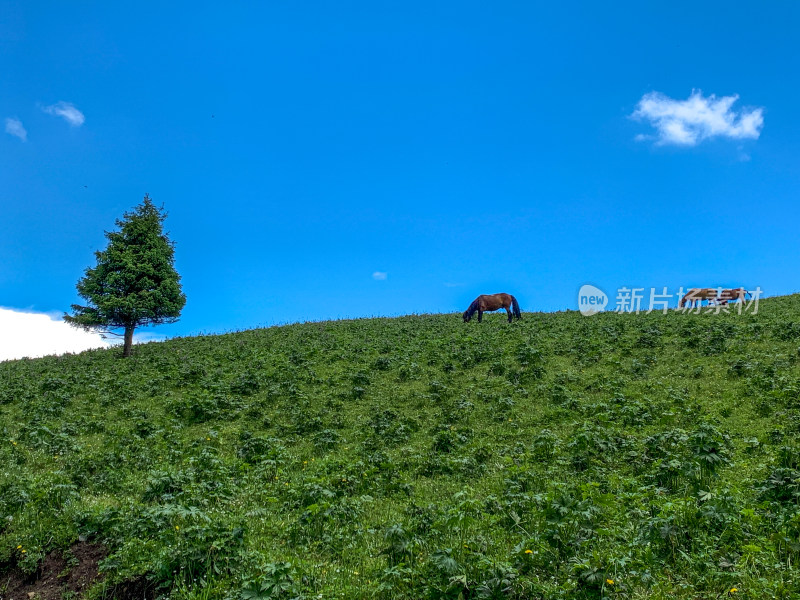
(421, 457)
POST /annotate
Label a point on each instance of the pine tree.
(135, 282)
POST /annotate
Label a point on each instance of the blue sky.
(459, 148)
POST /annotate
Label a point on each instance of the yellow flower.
(24, 551)
(176, 528)
(734, 590)
(528, 551)
(18, 547)
(610, 581)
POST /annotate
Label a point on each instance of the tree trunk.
(126, 350)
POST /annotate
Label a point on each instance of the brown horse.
(697, 295)
(732, 294)
(492, 302)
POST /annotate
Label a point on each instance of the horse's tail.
(515, 307)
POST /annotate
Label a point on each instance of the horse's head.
(471, 309)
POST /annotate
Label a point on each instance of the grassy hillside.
(619, 456)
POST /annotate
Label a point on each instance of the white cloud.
(14, 127)
(689, 122)
(67, 111)
(144, 337)
(379, 276)
(31, 334)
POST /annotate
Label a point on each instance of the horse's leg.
(480, 315)
(508, 310)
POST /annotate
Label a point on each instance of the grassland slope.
(619, 456)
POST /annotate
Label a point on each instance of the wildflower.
(176, 528)
(610, 581)
(19, 547)
(13, 442)
(23, 551)
(528, 551)
(734, 590)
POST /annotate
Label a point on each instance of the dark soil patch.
(71, 571)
